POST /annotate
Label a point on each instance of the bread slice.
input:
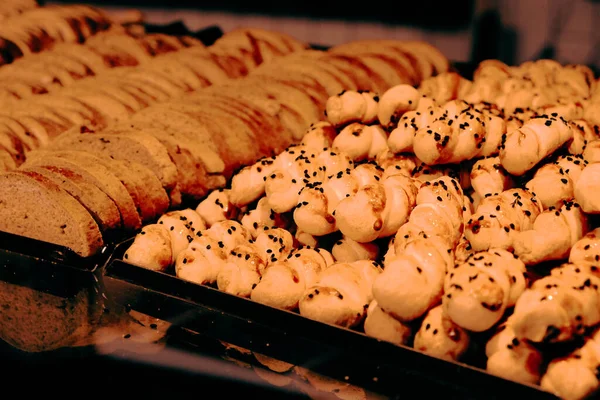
(35, 207)
(139, 147)
(119, 169)
(100, 206)
(97, 175)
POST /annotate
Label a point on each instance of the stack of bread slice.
(10, 8)
(67, 63)
(118, 93)
(88, 182)
(40, 28)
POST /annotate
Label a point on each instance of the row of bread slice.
(10, 8)
(39, 29)
(118, 93)
(67, 63)
(198, 142)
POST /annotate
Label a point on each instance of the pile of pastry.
(435, 217)
(27, 28)
(160, 136)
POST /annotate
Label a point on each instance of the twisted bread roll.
(586, 189)
(413, 278)
(553, 183)
(583, 134)
(586, 251)
(201, 261)
(217, 207)
(360, 141)
(342, 293)
(284, 282)
(440, 337)
(478, 292)
(352, 106)
(318, 202)
(591, 152)
(488, 177)
(376, 210)
(151, 249)
(446, 87)
(230, 233)
(319, 136)
(539, 137)
(575, 377)
(383, 326)
(262, 217)
(558, 307)
(347, 250)
(242, 271)
(511, 358)
(395, 102)
(499, 216)
(552, 235)
(248, 185)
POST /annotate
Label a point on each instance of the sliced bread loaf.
(100, 206)
(35, 207)
(139, 147)
(97, 175)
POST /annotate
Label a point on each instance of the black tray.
(326, 349)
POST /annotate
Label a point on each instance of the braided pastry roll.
(575, 376)
(446, 87)
(460, 132)
(586, 188)
(440, 337)
(360, 141)
(284, 282)
(499, 216)
(554, 183)
(552, 234)
(511, 358)
(352, 106)
(383, 326)
(558, 307)
(488, 177)
(539, 137)
(413, 278)
(478, 292)
(341, 294)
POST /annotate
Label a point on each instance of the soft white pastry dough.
(440, 337)
(360, 141)
(261, 217)
(552, 235)
(402, 137)
(575, 377)
(488, 177)
(241, 273)
(230, 233)
(498, 217)
(395, 102)
(274, 244)
(342, 293)
(525, 147)
(182, 226)
(478, 291)
(352, 106)
(216, 207)
(376, 210)
(202, 261)
(559, 306)
(319, 136)
(249, 183)
(511, 358)
(151, 248)
(583, 134)
(347, 250)
(383, 326)
(588, 188)
(284, 282)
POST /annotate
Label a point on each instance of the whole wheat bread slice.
(35, 207)
(101, 207)
(140, 147)
(97, 175)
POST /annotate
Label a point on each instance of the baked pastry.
(440, 337)
(383, 326)
(511, 358)
(558, 307)
(478, 292)
(342, 293)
